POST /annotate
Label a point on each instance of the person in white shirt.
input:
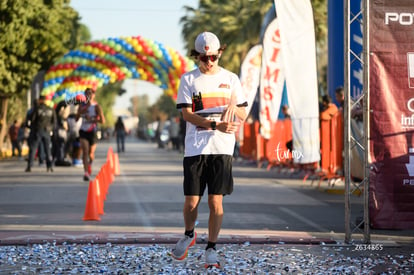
(212, 104)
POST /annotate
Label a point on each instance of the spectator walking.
(158, 132)
(174, 131)
(43, 121)
(210, 98)
(120, 132)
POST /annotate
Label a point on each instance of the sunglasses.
(206, 58)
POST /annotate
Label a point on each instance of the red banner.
(391, 190)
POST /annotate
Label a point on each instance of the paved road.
(145, 203)
(270, 221)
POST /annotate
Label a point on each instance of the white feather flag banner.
(250, 74)
(297, 39)
(271, 79)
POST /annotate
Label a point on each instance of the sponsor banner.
(271, 79)
(297, 40)
(356, 74)
(250, 74)
(336, 48)
(391, 190)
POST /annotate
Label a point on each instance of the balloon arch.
(100, 62)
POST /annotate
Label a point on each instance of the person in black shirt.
(43, 120)
(120, 132)
(40, 153)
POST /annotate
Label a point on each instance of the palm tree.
(237, 23)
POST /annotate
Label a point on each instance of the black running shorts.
(91, 137)
(212, 171)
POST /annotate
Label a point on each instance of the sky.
(153, 19)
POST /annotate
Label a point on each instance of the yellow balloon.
(102, 54)
(68, 72)
(89, 49)
(52, 75)
(176, 63)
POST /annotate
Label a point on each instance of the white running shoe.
(211, 258)
(180, 251)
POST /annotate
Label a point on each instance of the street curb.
(340, 191)
(21, 238)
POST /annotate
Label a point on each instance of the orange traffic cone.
(110, 150)
(99, 197)
(116, 164)
(108, 174)
(91, 208)
(110, 158)
(102, 183)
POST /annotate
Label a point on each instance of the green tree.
(164, 108)
(320, 14)
(106, 96)
(237, 24)
(34, 33)
(139, 105)
(167, 105)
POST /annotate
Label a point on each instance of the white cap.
(207, 42)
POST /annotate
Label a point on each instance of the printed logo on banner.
(403, 18)
(271, 79)
(410, 65)
(283, 154)
(356, 44)
(407, 121)
(410, 168)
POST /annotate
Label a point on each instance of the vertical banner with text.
(391, 188)
(356, 74)
(271, 79)
(250, 74)
(298, 50)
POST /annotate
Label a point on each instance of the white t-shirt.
(209, 96)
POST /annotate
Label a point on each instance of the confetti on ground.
(50, 258)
